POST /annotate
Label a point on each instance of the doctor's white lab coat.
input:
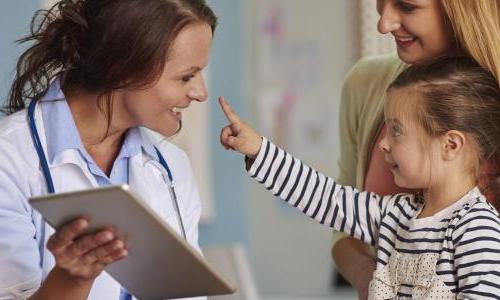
(24, 259)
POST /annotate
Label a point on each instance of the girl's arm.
(318, 196)
(476, 256)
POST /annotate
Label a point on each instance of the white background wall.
(291, 253)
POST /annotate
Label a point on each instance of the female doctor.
(102, 76)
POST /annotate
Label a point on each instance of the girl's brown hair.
(457, 94)
(101, 45)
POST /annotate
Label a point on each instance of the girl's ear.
(453, 143)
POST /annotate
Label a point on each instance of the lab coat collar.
(69, 139)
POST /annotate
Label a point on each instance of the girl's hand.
(238, 135)
(83, 257)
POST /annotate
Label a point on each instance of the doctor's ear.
(452, 143)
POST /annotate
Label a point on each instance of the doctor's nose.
(389, 19)
(198, 91)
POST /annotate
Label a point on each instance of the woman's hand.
(238, 135)
(83, 257)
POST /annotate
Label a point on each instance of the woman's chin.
(170, 130)
(167, 130)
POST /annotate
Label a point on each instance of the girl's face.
(159, 106)
(419, 27)
(414, 163)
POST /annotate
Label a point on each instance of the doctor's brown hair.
(101, 45)
(456, 93)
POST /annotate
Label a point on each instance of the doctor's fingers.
(66, 234)
(85, 244)
(106, 254)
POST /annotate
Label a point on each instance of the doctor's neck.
(99, 124)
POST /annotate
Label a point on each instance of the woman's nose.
(198, 92)
(389, 19)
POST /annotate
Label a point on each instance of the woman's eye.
(405, 7)
(187, 78)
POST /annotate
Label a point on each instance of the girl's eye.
(396, 131)
(405, 7)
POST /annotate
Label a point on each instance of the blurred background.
(281, 64)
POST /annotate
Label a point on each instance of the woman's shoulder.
(15, 136)
(375, 69)
(13, 123)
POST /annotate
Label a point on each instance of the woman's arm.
(60, 285)
(355, 260)
(80, 258)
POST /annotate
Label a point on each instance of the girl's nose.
(384, 146)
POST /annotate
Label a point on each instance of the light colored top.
(56, 114)
(362, 114)
(24, 259)
(454, 253)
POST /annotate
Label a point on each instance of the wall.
(15, 17)
(226, 78)
(304, 63)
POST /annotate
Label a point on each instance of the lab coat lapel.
(69, 170)
(148, 179)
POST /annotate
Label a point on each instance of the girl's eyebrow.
(393, 121)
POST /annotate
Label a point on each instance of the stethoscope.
(50, 185)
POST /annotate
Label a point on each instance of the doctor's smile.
(91, 113)
(104, 194)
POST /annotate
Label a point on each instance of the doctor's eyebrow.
(192, 69)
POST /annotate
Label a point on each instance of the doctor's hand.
(84, 256)
(238, 135)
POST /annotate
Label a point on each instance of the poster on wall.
(297, 81)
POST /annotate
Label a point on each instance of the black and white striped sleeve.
(476, 239)
(318, 196)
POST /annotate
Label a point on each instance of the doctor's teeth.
(177, 110)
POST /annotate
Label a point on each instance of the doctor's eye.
(187, 78)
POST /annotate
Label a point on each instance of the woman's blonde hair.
(476, 24)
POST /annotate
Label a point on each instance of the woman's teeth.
(406, 39)
(177, 110)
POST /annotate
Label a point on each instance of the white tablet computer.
(160, 264)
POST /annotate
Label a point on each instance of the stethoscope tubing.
(50, 185)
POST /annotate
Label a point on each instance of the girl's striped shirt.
(465, 237)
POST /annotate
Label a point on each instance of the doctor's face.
(419, 27)
(159, 106)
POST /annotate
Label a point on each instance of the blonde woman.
(422, 29)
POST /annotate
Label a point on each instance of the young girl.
(442, 122)
(421, 30)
